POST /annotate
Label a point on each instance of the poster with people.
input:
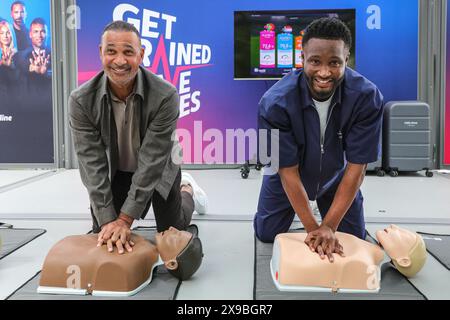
(26, 112)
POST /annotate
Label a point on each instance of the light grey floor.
(59, 196)
(59, 204)
(409, 198)
(11, 177)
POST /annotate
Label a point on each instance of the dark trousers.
(275, 213)
(175, 212)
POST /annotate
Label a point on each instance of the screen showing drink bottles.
(268, 44)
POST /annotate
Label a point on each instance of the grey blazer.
(95, 139)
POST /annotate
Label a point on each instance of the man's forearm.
(296, 193)
(345, 194)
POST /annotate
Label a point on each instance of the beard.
(322, 94)
(19, 22)
(121, 79)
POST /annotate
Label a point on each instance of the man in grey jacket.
(123, 123)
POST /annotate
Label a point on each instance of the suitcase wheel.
(393, 173)
(380, 173)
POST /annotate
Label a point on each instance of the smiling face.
(5, 36)
(324, 66)
(38, 35)
(121, 54)
(171, 242)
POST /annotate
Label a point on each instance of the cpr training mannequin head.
(181, 251)
(406, 249)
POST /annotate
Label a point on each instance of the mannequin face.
(397, 243)
(170, 243)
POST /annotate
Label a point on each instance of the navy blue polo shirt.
(352, 133)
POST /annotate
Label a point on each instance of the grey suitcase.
(407, 137)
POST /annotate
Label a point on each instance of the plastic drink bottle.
(299, 50)
(285, 48)
(267, 47)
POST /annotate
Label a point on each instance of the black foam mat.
(162, 287)
(438, 245)
(394, 286)
(14, 239)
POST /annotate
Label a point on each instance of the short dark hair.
(38, 21)
(330, 29)
(17, 2)
(190, 258)
(120, 25)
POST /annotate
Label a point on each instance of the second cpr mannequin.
(295, 267)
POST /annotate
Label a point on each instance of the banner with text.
(192, 45)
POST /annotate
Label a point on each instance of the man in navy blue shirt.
(328, 118)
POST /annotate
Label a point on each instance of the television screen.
(268, 44)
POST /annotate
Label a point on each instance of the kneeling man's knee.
(263, 233)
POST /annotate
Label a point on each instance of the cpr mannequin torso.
(76, 262)
(298, 266)
(76, 265)
(294, 264)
